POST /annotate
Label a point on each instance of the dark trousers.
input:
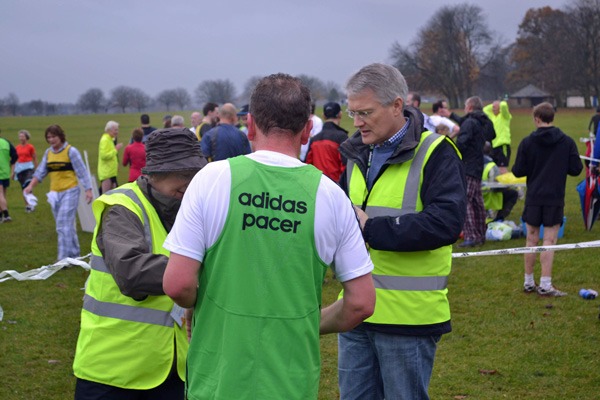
(509, 199)
(171, 389)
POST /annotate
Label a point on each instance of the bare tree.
(139, 100)
(543, 53)
(448, 53)
(583, 33)
(218, 91)
(182, 98)
(121, 97)
(37, 106)
(316, 86)
(333, 91)
(166, 98)
(11, 103)
(92, 100)
(492, 81)
(248, 89)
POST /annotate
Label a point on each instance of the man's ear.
(398, 105)
(251, 128)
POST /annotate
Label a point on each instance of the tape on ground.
(523, 250)
(45, 271)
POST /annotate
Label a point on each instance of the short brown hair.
(137, 135)
(55, 130)
(544, 111)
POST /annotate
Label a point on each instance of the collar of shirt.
(397, 138)
(61, 147)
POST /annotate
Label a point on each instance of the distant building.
(529, 96)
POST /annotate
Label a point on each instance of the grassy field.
(505, 344)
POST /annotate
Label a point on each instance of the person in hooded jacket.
(474, 130)
(132, 343)
(545, 157)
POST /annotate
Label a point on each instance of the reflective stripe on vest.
(127, 313)
(409, 201)
(410, 282)
(131, 194)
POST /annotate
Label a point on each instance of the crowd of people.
(211, 259)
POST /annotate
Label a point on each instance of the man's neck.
(288, 145)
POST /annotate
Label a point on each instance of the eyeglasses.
(362, 115)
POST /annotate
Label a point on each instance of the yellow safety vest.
(411, 287)
(491, 200)
(124, 342)
(59, 165)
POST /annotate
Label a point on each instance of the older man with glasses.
(409, 190)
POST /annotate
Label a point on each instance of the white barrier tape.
(589, 158)
(523, 250)
(45, 271)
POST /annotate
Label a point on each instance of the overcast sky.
(56, 50)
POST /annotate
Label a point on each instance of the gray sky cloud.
(56, 50)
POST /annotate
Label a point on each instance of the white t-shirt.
(203, 212)
(427, 123)
(317, 128)
(439, 120)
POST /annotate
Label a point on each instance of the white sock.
(546, 282)
(529, 281)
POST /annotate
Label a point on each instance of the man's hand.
(88, 196)
(444, 112)
(362, 217)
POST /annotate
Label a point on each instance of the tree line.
(126, 98)
(454, 55)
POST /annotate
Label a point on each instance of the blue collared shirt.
(383, 151)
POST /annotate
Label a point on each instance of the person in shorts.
(545, 157)
(8, 157)
(25, 166)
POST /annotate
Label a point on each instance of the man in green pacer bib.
(249, 250)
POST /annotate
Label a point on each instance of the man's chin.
(366, 138)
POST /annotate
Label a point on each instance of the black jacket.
(546, 157)
(475, 129)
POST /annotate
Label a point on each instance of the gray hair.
(177, 120)
(384, 80)
(110, 125)
(26, 133)
(475, 103)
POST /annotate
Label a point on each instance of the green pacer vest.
(124, 342)
(491, 200)
(256, 321)
(4, 159)
(411, 287)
